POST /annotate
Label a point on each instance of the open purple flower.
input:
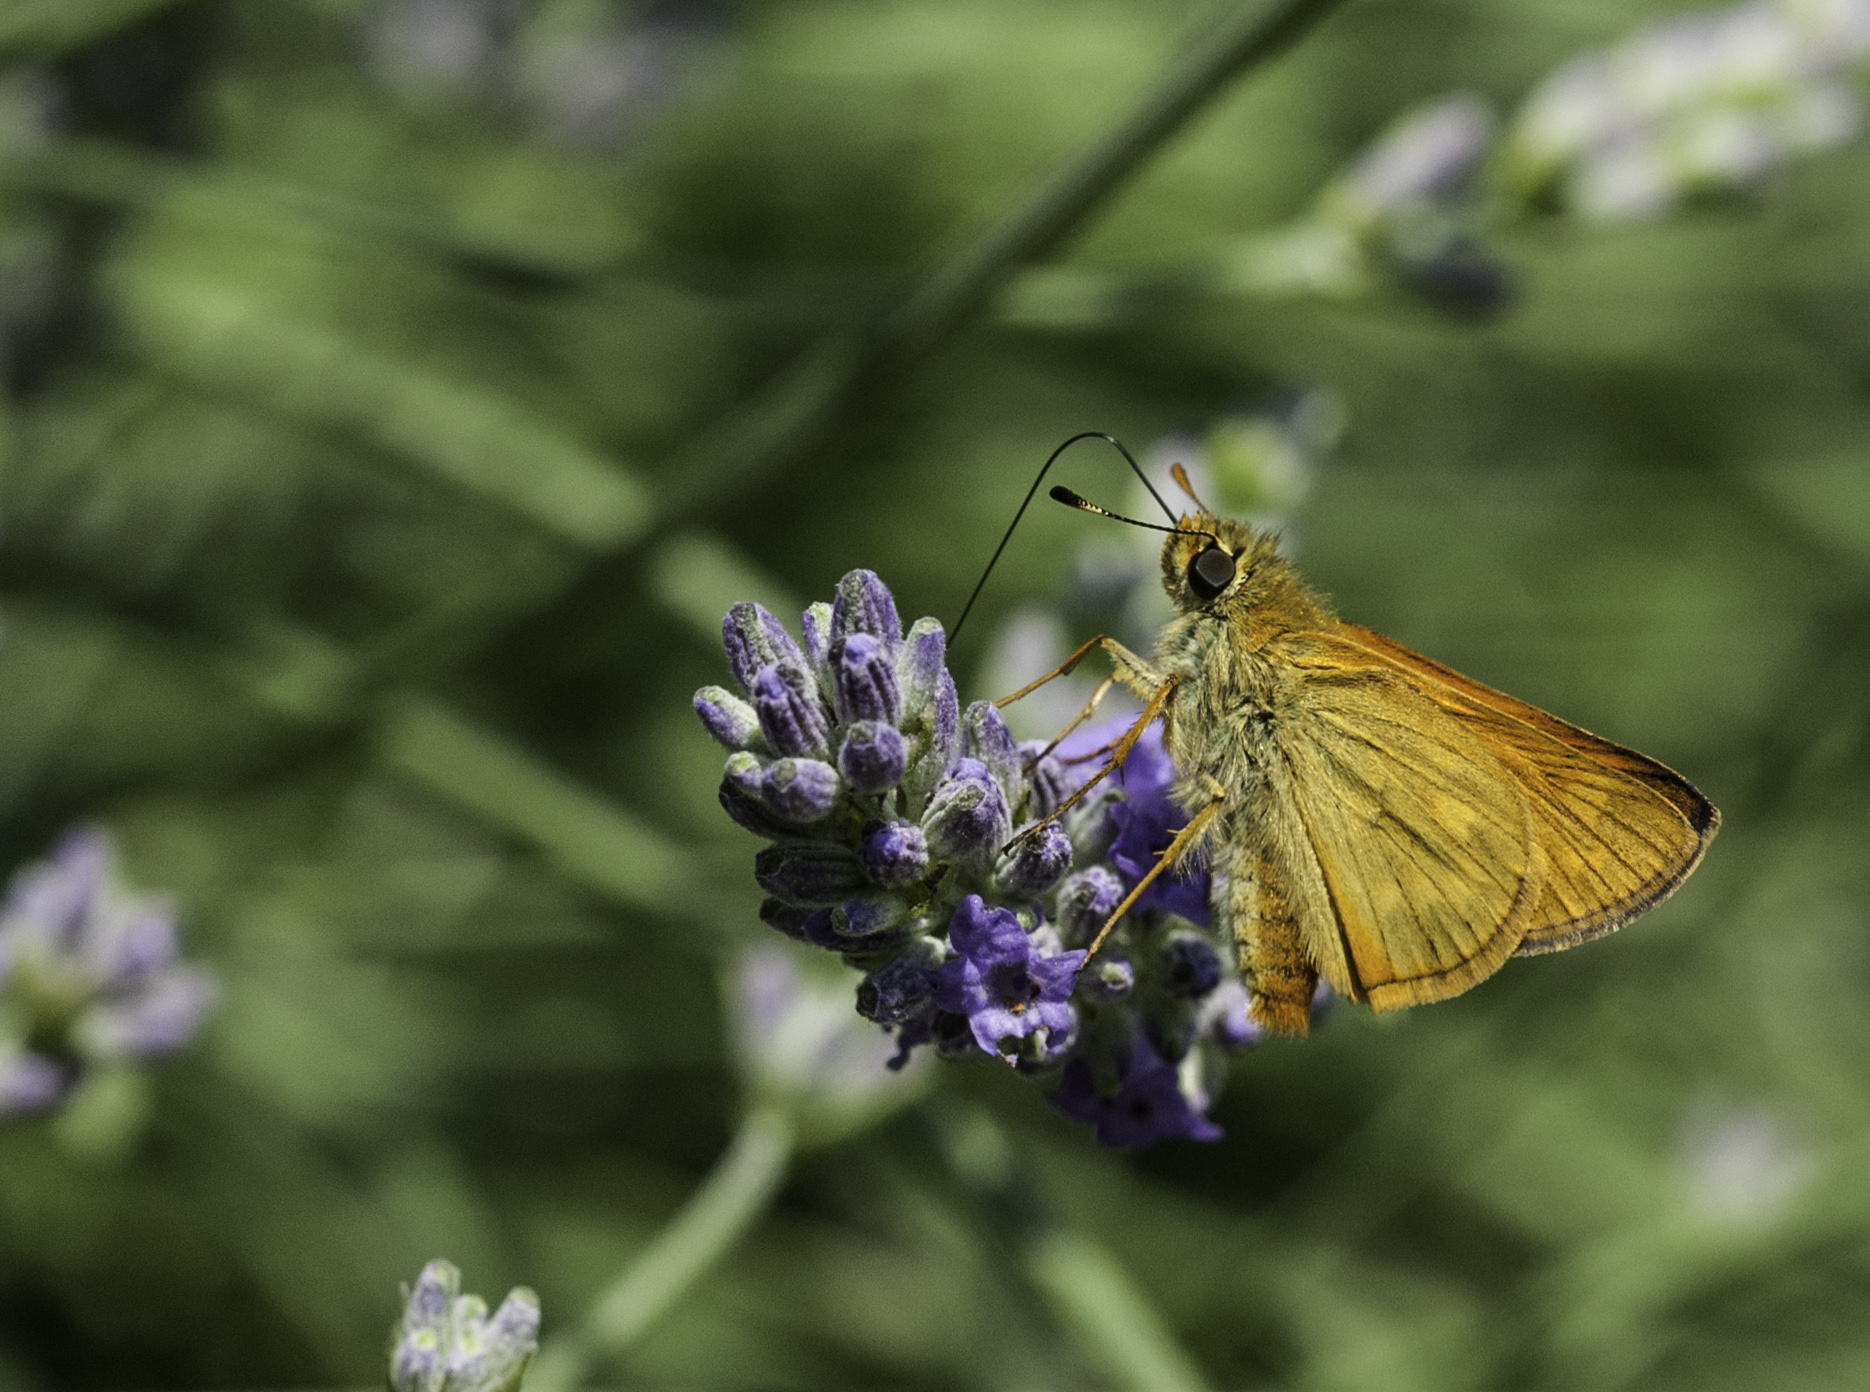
(1002, 981)
(1147, 1106)
(1146, 820)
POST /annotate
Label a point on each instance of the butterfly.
(1370, 817)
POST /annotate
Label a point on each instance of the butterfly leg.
(1090, 709)
(1280, 977)
(1184, 838)
(1117, 756)
(1132, 671)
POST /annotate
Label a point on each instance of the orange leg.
(1090, 707)
(1064, 669)
(1183, 840)
(1117, 756)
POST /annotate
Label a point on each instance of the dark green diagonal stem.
(802, 404)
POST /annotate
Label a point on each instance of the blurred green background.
(397, 394)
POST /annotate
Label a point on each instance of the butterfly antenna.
(1108, 439)
(1062, 494)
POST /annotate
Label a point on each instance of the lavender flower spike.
(88, 972)
(447, 1342)
(858, 735)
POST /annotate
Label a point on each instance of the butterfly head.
(1207, 560)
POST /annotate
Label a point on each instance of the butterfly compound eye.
(1210, 573)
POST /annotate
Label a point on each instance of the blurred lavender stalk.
(814, 1073)
(88, 976)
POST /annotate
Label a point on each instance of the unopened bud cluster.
(905, 834)
(88, 974)
(1696, 104)
(448, 1342)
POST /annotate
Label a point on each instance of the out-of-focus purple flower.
(447, 1342)
(1146, 1106)
(1225, 1019)
(798, 1042)
(1000, 981)
(88, 972)
(32, 1083)
(1190, 966)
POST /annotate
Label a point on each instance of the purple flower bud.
(728, 718)
(801, 790)
(1085, 901)
(815, 623)
(864, 605)
(863, 680)
(1108, 978)
(745, 774)
(936, 738)
(1049, 780)
(750, 812)
(967, 819)
(920, 664)
(873, 756)
(894, 854)
(900, 989)
(984, 736)
(870, 914)
(817, 931)
(811, 874)
(755, 639)
(1035, 864)
(791, 717)
(1095, 823)
(787, 918)
(1190, 966)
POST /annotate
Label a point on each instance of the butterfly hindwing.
(1417, 839)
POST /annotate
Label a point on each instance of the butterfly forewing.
(1420, 836)
(1616, 832)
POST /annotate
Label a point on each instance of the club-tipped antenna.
(1061, 494)
(1108, 439)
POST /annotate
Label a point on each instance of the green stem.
(794, 411)
(733, 1195)
(1093, 1296)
